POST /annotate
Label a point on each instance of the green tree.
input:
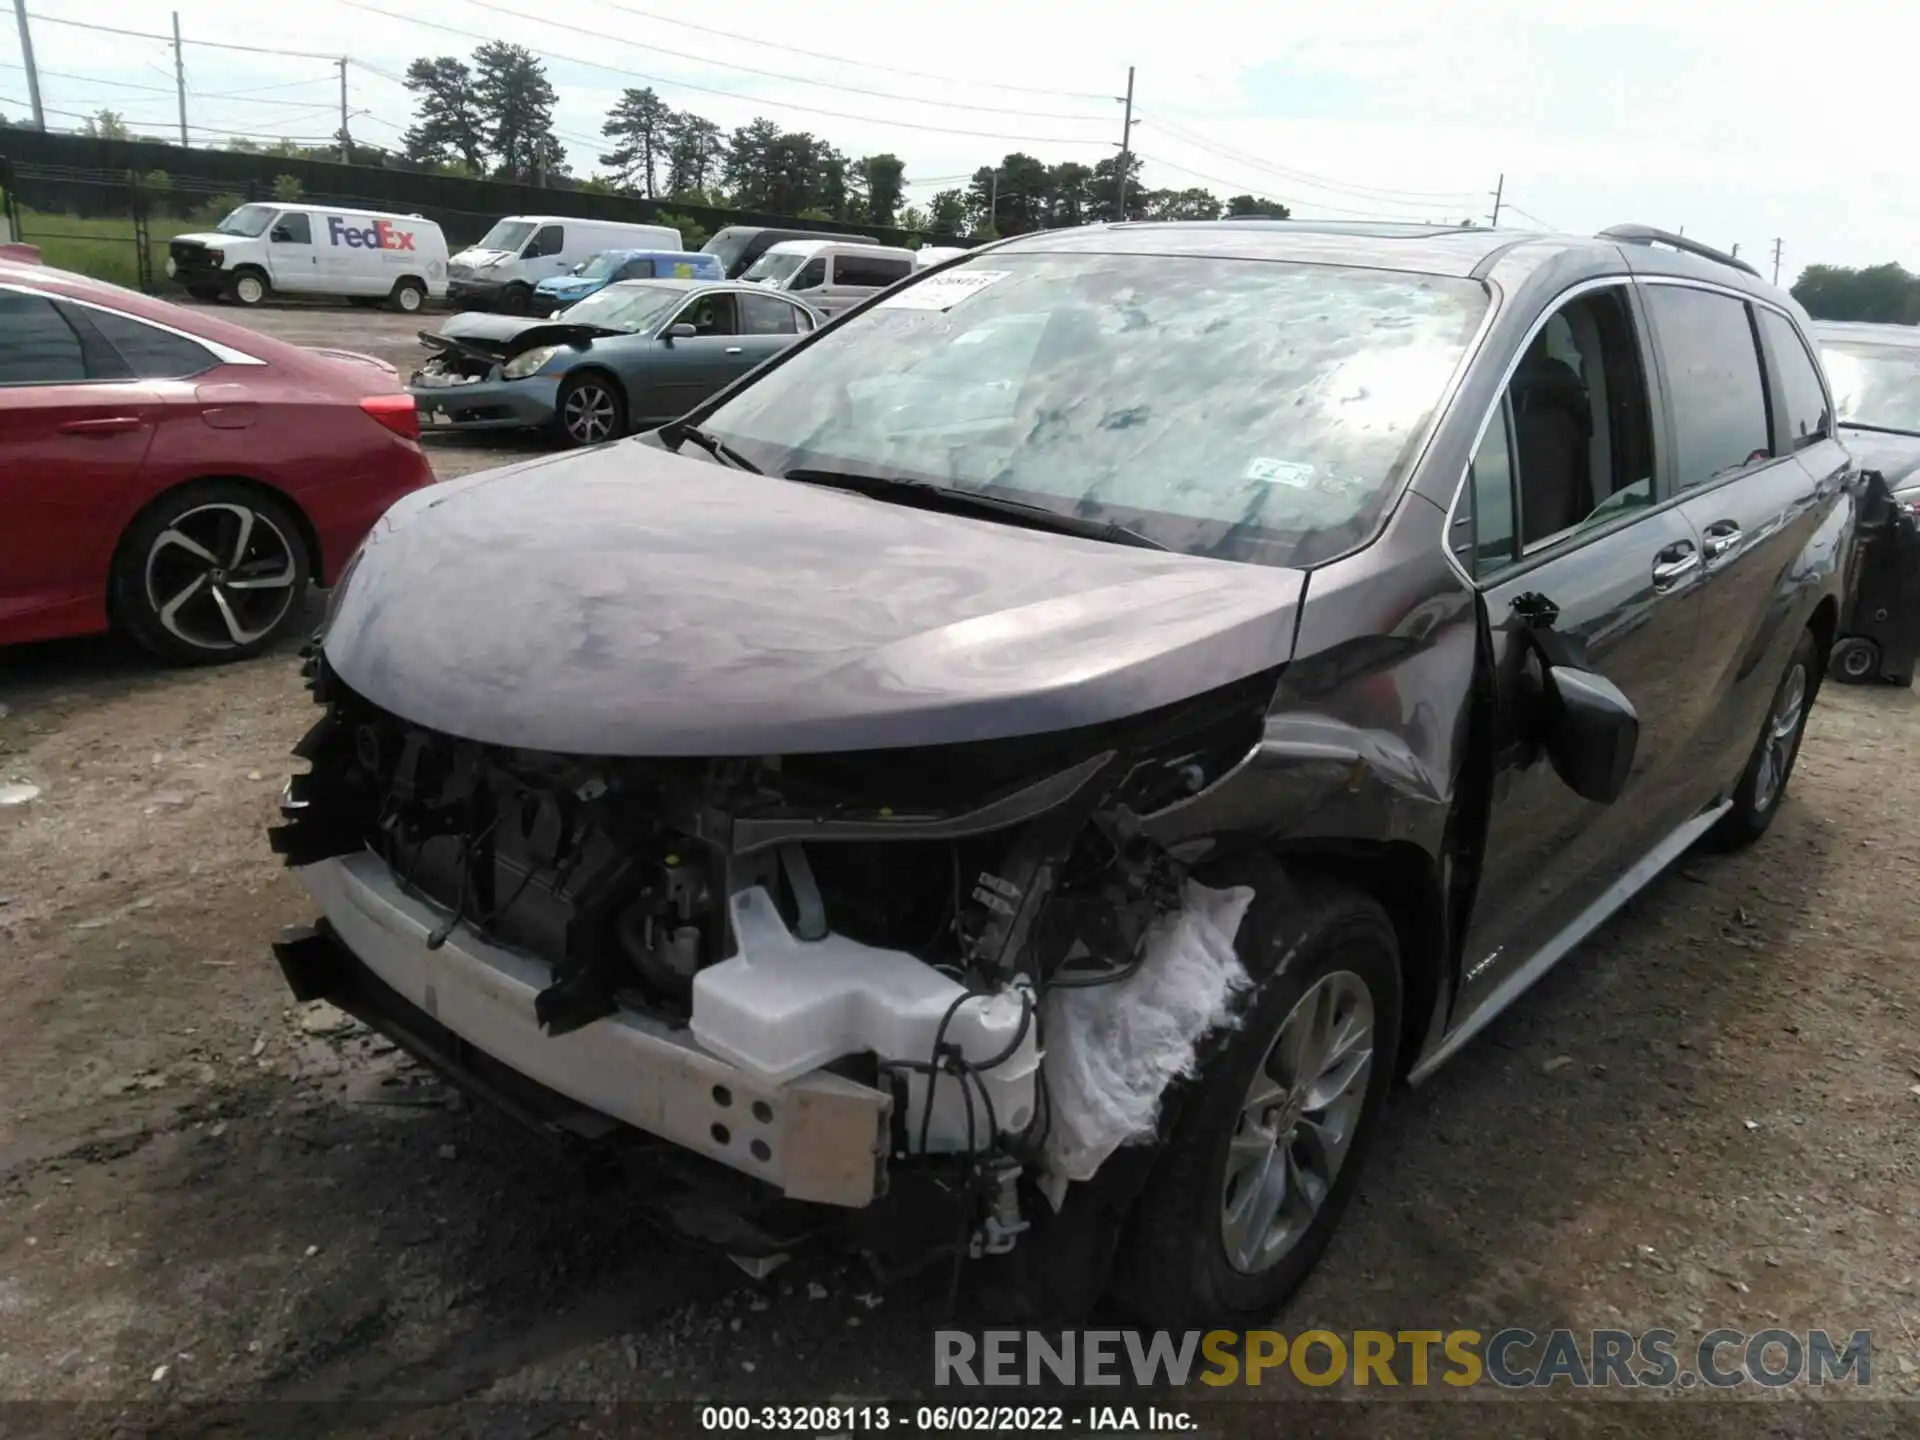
(286, 189)
(106, 125)
(1252, 205)
(515, 101)
(1102, 196)
(692, 233)
(641, 124)
(915, 219)
(695, 152)
(947, 212)
(1882, 294)
(747, 168)
(1184, 205)
(448, 127)
(882, 179)
(1069, 183)
(157, 186)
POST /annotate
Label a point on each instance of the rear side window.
(768, 315)
(1808, 420)
(40, 347)
(875, 270)
(1718, 398)
(151, 353)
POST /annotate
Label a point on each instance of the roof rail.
(1648, 235)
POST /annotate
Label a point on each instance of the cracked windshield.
(1244, 410)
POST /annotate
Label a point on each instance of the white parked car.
(830, 275)
(313, 250)
(501, 271)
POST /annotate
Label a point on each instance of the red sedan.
(176, 477)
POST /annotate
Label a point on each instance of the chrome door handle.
(1674, 564)
(733, 349)
(1720, 537)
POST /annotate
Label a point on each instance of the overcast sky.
(1729, 121)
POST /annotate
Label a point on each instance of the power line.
(711, 63)
(168, 39)
(1544, 224)
(1307, 178)
(1292, 202)
(161, 89)
(734, 94)
(842, 59)
(165, 124)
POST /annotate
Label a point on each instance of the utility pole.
(1499, 189)
(993, 202)
(1776, 260)
(1126, 151)
(346, 140)
(26, 60)
(180, 78)
(1735, 252)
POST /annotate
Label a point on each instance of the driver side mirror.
(682, 331)
(1590, 730)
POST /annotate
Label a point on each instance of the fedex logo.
(378, 236)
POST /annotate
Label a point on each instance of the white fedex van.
(364, 255)
(522, 250)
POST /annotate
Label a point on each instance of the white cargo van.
(364, 255)
(830, 275)
(499, 272)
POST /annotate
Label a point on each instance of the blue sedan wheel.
(590, 409)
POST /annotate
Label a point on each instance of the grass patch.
(104, 249)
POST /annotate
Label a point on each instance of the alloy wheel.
(588, 414)
(220, 577)
(1781, 739)
(1297, 1122)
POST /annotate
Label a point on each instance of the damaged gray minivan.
(1025, 772)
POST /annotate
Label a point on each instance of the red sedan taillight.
(396, 412)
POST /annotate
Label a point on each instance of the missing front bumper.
(819, 1138)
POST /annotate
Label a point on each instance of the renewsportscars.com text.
(1512, 1358)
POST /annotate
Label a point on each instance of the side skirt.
(1582, 925)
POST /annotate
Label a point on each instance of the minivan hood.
(1896, 456)
(479, 257)
(207, 237)
(629, 601)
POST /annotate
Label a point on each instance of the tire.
(589, 410)
(249, 287)
(408, 296)
(1306, 938)
(162, 589)
(1856, 661)
(516, 300)
(1763, 784)
(203, 293)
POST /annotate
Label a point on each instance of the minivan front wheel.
(1270, 1140)
(250, 287)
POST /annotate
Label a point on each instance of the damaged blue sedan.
(632, 356)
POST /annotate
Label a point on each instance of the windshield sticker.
(942, 292)
(1279, 472)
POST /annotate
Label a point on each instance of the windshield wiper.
(943, 497)
(1877, 429)
(679, 432)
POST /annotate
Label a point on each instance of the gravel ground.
(1709, 1115)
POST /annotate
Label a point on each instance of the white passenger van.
(830, 275)
(928, 255)
(499, 272)
(365, 255)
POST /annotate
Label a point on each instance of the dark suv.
(1041, 757)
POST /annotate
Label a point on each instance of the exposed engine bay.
(896, 918)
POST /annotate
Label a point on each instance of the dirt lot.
(1709, 1115)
